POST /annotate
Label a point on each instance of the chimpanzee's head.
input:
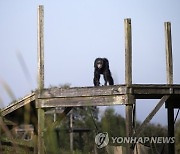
(98, 63)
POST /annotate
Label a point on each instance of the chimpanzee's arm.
(96, 77)
(108, 78)
(111, 81)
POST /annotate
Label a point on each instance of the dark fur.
(103, 70)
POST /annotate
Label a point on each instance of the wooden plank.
(152, 90)
(18, 104)
(151, 115)
(80, 91)
(146, 90)
(83, 101)
(169, 57)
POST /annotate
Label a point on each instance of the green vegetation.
(86, 125)
(114, 124)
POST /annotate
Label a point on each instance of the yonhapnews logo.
(102, 139)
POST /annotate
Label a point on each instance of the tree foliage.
(86, 118)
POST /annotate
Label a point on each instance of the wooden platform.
(105, 95)
(96, 96)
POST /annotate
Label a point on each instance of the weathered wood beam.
(169, 72)
(151, 91)
(83, 101)
(40, 47)
(81, 91)
(169, 57)
(128, 80)
(128, 51)
(18, 104)
(41, 114)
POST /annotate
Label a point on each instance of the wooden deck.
(105, 95)
(96, 96)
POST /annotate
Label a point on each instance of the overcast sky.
(78, 31)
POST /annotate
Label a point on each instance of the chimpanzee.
(101, 66)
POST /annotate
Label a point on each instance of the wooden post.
(170, 113)
(128, 52)
(40, 47)
(40, 131)
(0, 133)
(169, 72)
(169, 58)
(40, 77)
(71, 131)
(128, 81)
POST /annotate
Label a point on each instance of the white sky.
(78, 31)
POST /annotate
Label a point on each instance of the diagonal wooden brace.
(151, 115)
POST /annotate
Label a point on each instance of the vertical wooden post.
(40, 47)
(169, 74)
(40, 131)
(128, 81)
(71, 129)
(169, 58)
(40, 77)
(170, 113)
(128, 52)
(0, 133)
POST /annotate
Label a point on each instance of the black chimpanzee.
(101, 66)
